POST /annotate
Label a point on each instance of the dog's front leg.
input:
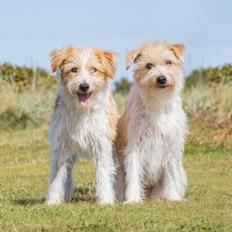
(105, 173)
(60, 188)
(134, 190)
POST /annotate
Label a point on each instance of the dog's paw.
(106, 202)
(54, 202)
(133, 201)
(172, 197)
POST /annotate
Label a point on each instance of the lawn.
(24, 170)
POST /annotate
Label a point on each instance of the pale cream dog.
(84, 120)
(151, 133)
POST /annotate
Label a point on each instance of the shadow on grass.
(29, 201)
(84, 193)
(80, 194)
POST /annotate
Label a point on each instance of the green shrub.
(210, 76)
(25, 78)
(207, 96)
(27, 108)
(122, 86)
(209, 103)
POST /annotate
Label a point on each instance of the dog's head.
(158, 66)
(84, 72)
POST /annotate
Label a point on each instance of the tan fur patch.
(121, 139)
(113, 116)
(165, 59)
(58, 57)
(108, 62)
(131, 58)
(179, 50)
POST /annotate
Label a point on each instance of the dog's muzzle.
(84, 87)
(161, 81)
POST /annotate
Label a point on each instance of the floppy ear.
(131, 58)
(57, 57)
(109, 61)
(179, 50)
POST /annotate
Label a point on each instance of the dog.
(84, 121)
(151, 132)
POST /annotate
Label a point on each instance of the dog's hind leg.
(61, 186)
(157, 190)
(120, 184)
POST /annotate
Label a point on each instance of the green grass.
(24, 170)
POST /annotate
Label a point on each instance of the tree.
(123, 85)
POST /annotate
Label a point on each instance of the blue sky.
(31, 29)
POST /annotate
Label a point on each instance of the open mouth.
(162, 86)
(84, 99)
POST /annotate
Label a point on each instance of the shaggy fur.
(152, 131)
(84, 121)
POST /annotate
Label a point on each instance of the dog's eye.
(74, 70)
(93, 70)
(149, 66)
(168, 62)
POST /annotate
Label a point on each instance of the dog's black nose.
(161, 80)
(84, 87)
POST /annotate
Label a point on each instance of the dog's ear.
(131, 58)
(109, 61)
(178, 50)
(57, 57)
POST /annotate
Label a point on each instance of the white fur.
(80, 132)
(76, 133)
(153, 156)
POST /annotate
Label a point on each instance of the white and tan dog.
(84, 120)
(151, 133)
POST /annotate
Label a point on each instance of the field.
(25, 163)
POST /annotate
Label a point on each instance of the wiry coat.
(78, 131)
(152, 131)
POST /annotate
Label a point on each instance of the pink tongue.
(84, 99)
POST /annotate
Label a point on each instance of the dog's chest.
(157, 133)
(89, 133)
(156, 141)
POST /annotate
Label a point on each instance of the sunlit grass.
(24, 171)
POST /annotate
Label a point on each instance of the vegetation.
(122, 86)
(24, 109)
(210, 76)
(23, 78)
(25, 112)
(24, 170)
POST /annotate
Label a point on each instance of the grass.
(24, 170)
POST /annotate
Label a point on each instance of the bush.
(210, 76)
(212, 104)
(24, 109)
(207, 96)
(27, 96)
(25, 78)
(122, 86)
